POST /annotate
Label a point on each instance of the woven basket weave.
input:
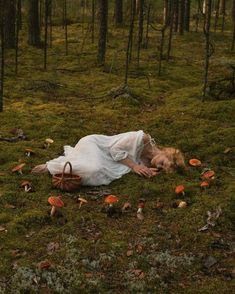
(66, 182)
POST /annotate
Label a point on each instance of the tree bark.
(181, 16)
(9, 24)
(233, 20)
(141, 28)
(103, 30)
(187, 15)
(207, 47)
(2, 11)
(118, 12)
(176, 16)
(33, 22)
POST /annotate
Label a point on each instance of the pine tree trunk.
(9, 26)
(207, 47)
(103, 12)
(233, 20)
(119, 12)
(181, 16)
(34, 28)
(166, 12)
(187, 15)
(2, 10)
(176, 20)
(141, 28)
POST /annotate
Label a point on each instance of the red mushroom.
(179, 190)
(55, 202)
(18, 168)
(195, 162)
(111, 199)
(204, 185)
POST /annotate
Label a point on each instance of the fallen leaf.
(44, 264)
(140, 216)
(141, 276)
(129, 253)
(52, 247)
(139, 249)
(2, 229)
(7, 205)
(227, 150)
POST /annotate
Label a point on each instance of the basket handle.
(71, 169)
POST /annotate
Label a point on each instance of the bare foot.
(40, 169)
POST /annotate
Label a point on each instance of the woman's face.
(162, 162)
(168, 159)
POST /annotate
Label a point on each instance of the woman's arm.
(139, 168)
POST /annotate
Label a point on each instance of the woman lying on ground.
(100, 159)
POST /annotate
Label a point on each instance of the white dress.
(95, 157)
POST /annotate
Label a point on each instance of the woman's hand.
(143, 170)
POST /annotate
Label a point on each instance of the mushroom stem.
(20, 172)
(53, 210)
(140, 210)
(28, 154)
(27, 188)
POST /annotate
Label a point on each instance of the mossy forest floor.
(88, 252)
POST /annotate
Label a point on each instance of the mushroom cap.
(208, 174)
(56, 201)
(110, 199)
(29, 150)
(80, 199)
(18, 167)
(179, 189)
(141, 205)
(204, 184)
(25, 183)
(49, 141)
(195, 162)
(182, 204)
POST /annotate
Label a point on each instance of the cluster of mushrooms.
(56, 201)
(207, 175)
(25, 184)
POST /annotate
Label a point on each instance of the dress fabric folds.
(96, 157)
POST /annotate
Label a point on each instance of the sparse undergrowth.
(168, 254)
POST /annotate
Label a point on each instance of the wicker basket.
(66, 182)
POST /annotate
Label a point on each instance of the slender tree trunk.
(208, 44)
(93, 22)
(233, 20)
(166, 12)
(46, 6)
(17, 28)
(130, 38)
(65, 25)
(141, 28)
(2, 13)
(9, 27)
(181, 16)
(187, 15)
(118, 12)
(161, 49)
(216, 14)
(103, 12)
(223, 13)
(176, 15)
(147, 27)
(171, 29)
(33, 23)
(19, 9)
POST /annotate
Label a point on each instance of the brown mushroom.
(29, 152)
(81, 201)
(26, 185)
(182, 204)
(55, 202)
(48, 142)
